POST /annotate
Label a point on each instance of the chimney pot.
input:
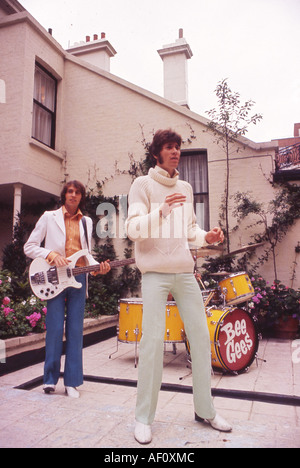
(87, 39)
(102, 35)
(180, 33)
(95, 37)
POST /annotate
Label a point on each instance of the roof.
(20, 14)
(11, 6)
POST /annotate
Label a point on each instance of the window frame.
(201, 153)
(50, 112)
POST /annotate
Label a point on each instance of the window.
(44, 107)
(194, 169)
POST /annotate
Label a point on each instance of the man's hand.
(171, 202)
(60, 261)
(215, 235)
(104, 268)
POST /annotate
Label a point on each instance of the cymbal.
(245, 248)
(207, 251)
(220, 273)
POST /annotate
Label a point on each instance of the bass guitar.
(48, 281)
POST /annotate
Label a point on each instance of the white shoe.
(217, 423)
(142, 433)
(49, 388)
(72, 392)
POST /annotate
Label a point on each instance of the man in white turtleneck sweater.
(162, 222)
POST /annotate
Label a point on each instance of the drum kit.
(233, 334)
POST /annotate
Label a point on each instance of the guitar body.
(48, 281)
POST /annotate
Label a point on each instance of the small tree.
(276, 219)
(229, 122)
(14, 258)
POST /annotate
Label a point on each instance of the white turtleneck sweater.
(162, 244)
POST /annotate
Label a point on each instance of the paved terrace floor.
(103, 417)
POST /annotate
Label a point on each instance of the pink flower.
(6, 311)
(44, 309)
(6, 300)
(33, 318)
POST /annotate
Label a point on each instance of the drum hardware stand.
(183, 337)
(223, 296)
(109, 357)
(259, 359)
(173, 346)
(185, 376)
(136, 331)
(189, 366)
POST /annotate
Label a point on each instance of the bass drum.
(234, 339)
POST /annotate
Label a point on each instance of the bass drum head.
(237, 340)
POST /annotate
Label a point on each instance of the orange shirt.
(73, 243)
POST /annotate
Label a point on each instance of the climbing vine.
(275, 220)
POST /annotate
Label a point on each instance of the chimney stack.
(98, 52)
(174, 57)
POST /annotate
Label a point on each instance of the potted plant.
(276, 307)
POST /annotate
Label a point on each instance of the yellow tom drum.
(236, 288)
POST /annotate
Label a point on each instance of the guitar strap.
(85, 231)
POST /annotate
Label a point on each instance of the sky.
(254, 44)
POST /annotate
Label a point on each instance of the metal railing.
(288, 157)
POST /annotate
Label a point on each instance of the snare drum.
(131, 317)
(237, 288)
(211, 296)
(234, 339)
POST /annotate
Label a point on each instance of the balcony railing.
(288, 157)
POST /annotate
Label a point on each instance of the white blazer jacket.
(51, 228)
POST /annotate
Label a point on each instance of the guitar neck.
(114, 264)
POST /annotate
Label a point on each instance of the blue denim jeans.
(69, 305)
(187, 294)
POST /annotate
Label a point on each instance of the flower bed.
(19, 316)
(22, 314)
(274, 304)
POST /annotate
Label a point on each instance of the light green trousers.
(187, 294)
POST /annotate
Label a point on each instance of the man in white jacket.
(63, 234)
(162, 222)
